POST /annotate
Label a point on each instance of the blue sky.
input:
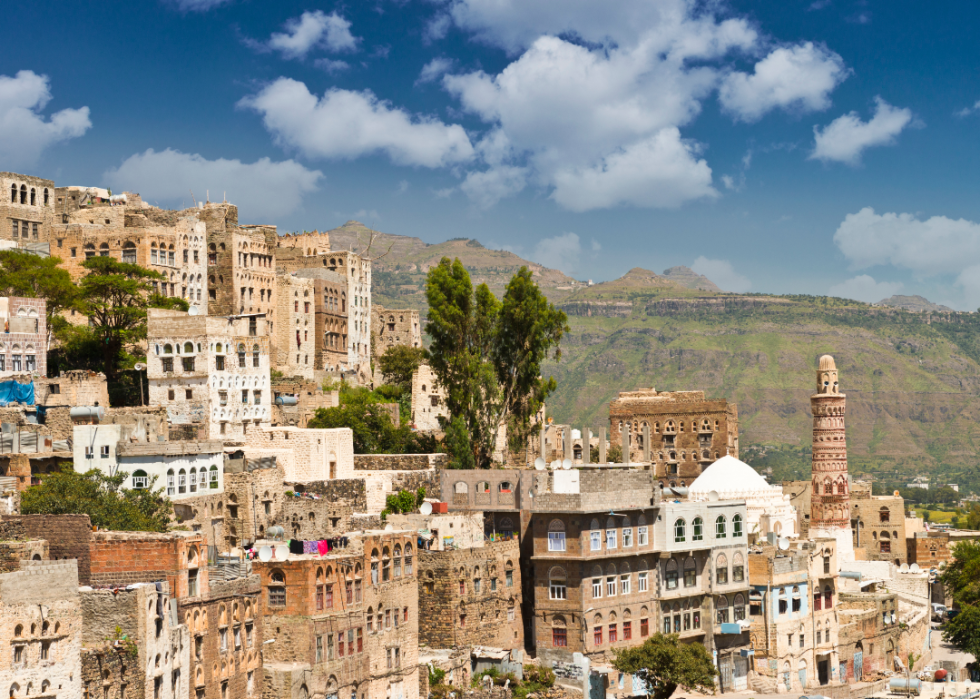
(820, 147)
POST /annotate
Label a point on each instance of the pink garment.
(322, 546)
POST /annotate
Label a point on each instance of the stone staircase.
(762, 684)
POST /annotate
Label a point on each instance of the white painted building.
(181, 469)
(210, 372)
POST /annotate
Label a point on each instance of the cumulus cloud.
(434, 69)
(799, 77)
(562, 252)
(262, 190)
(331, 66)
(722, 274)
(864, 288)
(345, 124)
(313, 30)
(24, 130)
(488, 187)
(847, 137)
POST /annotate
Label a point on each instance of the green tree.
(114, 296)
(458, 445)
(973, 518)
(364, 412)
(666, 664)
(398, 363)
(961, 576)
(32, 276)
(101, 497)
(963, 630)
(487, 354)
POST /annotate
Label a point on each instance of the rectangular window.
(257, 397)
(611, 538)
(627, 630)
(224, 640)
(167, 364)
(627, 537)
(245, 397)
(624, 584)
(642, 578)
(476, 585)
(644, 628)
(796, 604)
(597, 635)
(556, 541)
(722, 575)
(738, 573)
(666, 624)
(595, 539)
(74, 252)
(223, 397)
(677, 623)
(171, 258)
(249, 636)
(509, 576)
(596, 588)
(510, 614)
(558, 589)
(153, 256)
(186, 256)
(34, 231)
(188, 393)
(690, 577)
(330, 652)
(319, 649)
(219, 363)
(559, 638)
(611, 587)
(696, 620)
(802, 640)
(89, 452)
(170, 394)
(277, 597)
(340, 644)
(105, 451)
(687, 622)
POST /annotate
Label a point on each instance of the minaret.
(830, 501)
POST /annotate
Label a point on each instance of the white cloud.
(799, 77)
(365, 214)
(402, 187)
(344, 124)
(846, 138)
(198, 5)
(561, 252)
(660, 172)
(24, 131)
(967, 111)
(312, 30)
(596, 247)
(263, 190)
(722, 274)
(434, 69)
(864, 288)
(488, 187)
(437, 28)
(331, 66)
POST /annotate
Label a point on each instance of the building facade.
(24, 343)
(428, 400)
(27, 208)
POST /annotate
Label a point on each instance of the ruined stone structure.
(345, 624)
(305, 454)
(830, 507)
(869, 636)
(686, 432)
(428, 400)
(210, 372)
(395, 327)
(27, 208)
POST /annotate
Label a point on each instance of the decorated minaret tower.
(830, 501)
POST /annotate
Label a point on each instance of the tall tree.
(961, 576)
(487, 354)
(963, 630)
(32, 276)
(666, 664)
(398, 363)
(114, 296)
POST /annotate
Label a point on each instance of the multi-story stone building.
(126, 558)
(331, 323)
(686, 432)
(344, 624)
(395, 327)
(878, 524)
(24, 343)
(428, 400)
(41, 625)
(27, 208)
(793, 612)
(929, 549)
(210, 372)
(295, 339)
(870, 634)
(241, 263)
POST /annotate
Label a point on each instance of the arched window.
(721, 606)
(670, 574)
(680, 531)
(556, 535)
(241, 355)
(188, 348)
(557, 583)
(129, 253)
(721, 569)
(181, 481)
(140, 479)
(408, 559)
(697, 527)
(168, 348)
(33, 197)
(736, 526)
(398, 561)
(738, 568)
(193, 480)
(828, 597)
(170, 483)
(739, 607)
(46, 196)
(13, 194)
(277, 589)
(255, 356)
(213, 473)
(483, 487)
(385, 564)
(884, 515)
(690, 572)
(721, 531)
(461, 488)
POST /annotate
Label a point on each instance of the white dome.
(729, 475)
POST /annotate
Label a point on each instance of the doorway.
(823, 671)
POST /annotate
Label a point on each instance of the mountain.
(912, 378)
(917, 304)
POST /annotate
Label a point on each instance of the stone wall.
(880, 527)
(400, 462)
(428, 400)
(72, 388)
(68, 537)
(351, 491)
(124, 558)
(312, 520)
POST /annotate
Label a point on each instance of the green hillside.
(912, 378)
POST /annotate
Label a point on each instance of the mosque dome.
(728, 476)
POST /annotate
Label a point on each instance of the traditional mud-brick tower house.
(830, 503)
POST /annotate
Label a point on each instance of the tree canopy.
(101, 497)
(487, 353)
(962, 573)
(32, 276)
(398, 363)
(963, 630)
(666, 664)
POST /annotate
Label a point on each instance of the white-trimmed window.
(170, 482)
(611, 586)
(140, 479)
(597, 587)
(611, 536)
(595, 541)
(558, 588)
(641, 536)
(627, 537)
(642, 584)
(624, 584)
(556, 535)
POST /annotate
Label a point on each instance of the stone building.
(72, 388)
(180, 469)
(344, 624)
(24, 343)
(210, 372)
(686, 432)
(241, 264)
(428, 400)
(793, 614)
(41, 629)
(469, 584)
(929, 549)
(126, 558)
(295, 401)
(151, 661)
(869, 636)
(330, 330)
(225, 639)
(295, 338)
(305, 454)
(395, 327)
(878, 524)
(26, 208)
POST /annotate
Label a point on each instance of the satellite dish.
(566, 464)
(389, 528)
(139, 366)
(540, 464)
(426, 508)
(783, 543)
(265, 554)
(556, 464)
(713, 496)
(914, 568)
(904, 567)
(193, 311)
(282, 553)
